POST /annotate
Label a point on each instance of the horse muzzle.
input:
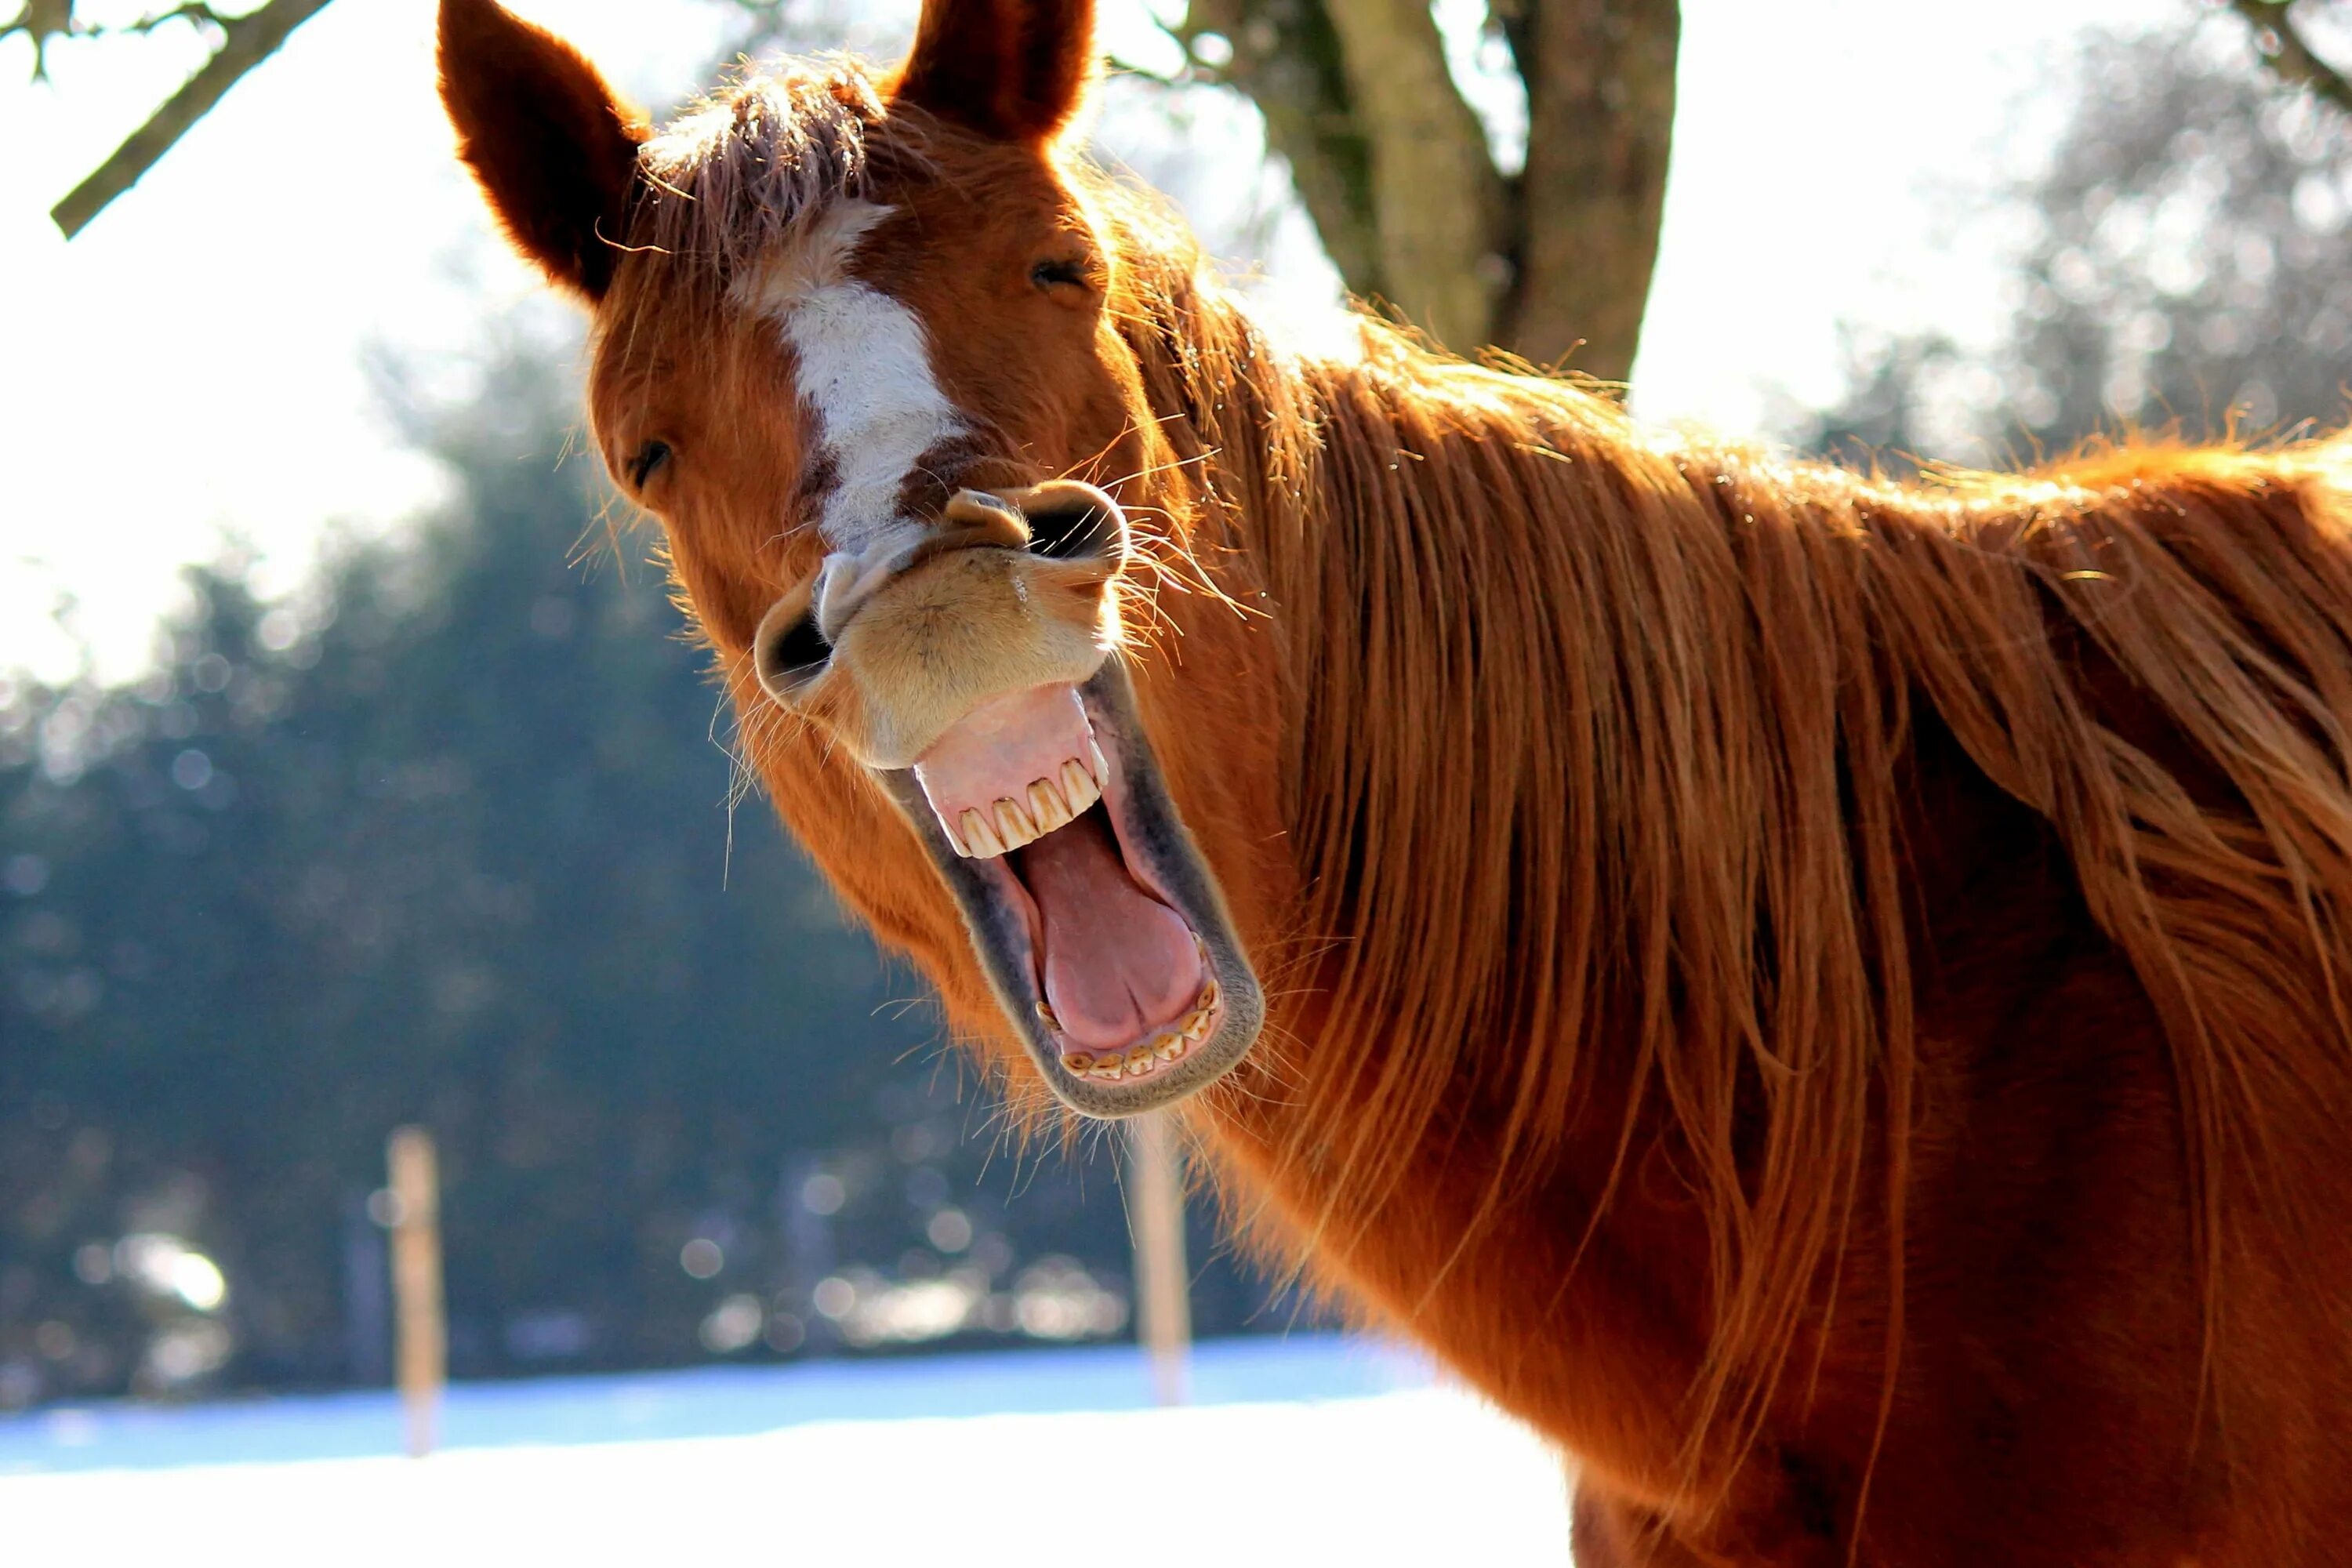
(971, 668)
(890, 646)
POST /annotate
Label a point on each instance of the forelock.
(727, 181)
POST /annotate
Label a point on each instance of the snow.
(1303, 1451)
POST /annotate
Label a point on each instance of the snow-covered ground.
(1300, 1452)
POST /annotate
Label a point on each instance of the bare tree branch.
(2287, 53)
(246, 42)
(195, 14)
(41, 20)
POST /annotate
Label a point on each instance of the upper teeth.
(1048, 803)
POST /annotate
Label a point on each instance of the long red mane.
(1602, 743)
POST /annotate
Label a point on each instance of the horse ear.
(554, 149)
(1010, 69)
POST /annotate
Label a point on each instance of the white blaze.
(864, 364)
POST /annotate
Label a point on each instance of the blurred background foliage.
(2182, 271)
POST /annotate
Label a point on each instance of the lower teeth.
(1137, 1060)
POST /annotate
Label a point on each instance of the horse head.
(859, 345)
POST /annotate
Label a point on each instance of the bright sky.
(195, 364)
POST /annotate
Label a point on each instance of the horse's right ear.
(1015, 70)
(554, 149)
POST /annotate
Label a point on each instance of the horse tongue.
(1119, 962)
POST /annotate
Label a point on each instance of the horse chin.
(1159, 999)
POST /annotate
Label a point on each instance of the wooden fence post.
(1155, 1207)
(423, 1358)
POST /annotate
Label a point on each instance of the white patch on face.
(865, 366)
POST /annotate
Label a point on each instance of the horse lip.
(1152, 838)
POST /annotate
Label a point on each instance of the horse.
(1823, 995)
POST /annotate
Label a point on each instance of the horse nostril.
(1071, 524)
(788, 651)
(1063, 519)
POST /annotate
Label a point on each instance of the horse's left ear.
(1014, 69)
(555, 149)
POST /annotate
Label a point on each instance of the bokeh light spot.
(823, 1194)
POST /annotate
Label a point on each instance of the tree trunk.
(1285, 57)
(1552, 263)
(1440, 204)
(1600, 117)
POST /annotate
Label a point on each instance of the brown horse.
(1827, 997)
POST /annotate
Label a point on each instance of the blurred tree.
(2181, 269)
(444, 840)
(2185, 265)
(1538, 234)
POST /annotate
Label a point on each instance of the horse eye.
(647, 462)
(1046, 274)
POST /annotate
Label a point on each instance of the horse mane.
(1596, 738)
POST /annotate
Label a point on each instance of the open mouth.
(1101, 927)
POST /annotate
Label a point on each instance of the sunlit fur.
(1826, 996)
